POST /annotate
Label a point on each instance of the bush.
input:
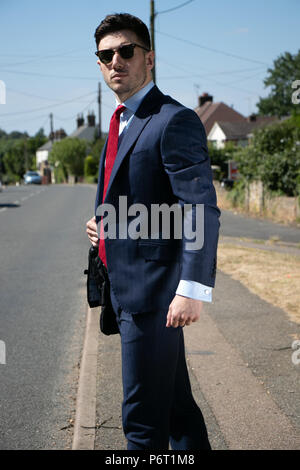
(237, 193)
(90, 166)
(220, 157)
(69, 153)
(273, 157)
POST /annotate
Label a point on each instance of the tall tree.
(285, 71)
(70, 154)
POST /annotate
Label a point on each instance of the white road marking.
(24, 198)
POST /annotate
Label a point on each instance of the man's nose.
(117, 59)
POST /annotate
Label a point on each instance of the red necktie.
(111, 153)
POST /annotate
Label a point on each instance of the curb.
(85, 418)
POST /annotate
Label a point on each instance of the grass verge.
(274, 276)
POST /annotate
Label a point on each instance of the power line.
(72, 77)
(41, 57)
(188, 68)
(175, 8)
(27, 119)
(217, 51)
(74, 116)
(49, 106)
(31, 95)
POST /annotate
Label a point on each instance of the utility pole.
(153, 15)
(99, 110)
(26, 155)
(152, 30)
(51, 128)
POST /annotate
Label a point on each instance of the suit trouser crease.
(158, 405)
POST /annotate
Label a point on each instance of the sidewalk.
(240, 363)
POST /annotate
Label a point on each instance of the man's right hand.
(91, 230)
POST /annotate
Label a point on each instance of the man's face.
(126, 76)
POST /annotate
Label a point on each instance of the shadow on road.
(9, 205)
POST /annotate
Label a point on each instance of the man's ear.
(150, 59)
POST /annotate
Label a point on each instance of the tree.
(285, 71)
(96, 148)
(70, 154)
(91, 166)
(220, 157)
(273, 158)
(14, 161)
(18, 153)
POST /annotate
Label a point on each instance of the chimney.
(91, 120)
(252, 118)
(204, 98)
(59, 134)
(80, 120)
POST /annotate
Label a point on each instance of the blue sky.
(222, 47)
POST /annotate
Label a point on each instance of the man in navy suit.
(157, 284)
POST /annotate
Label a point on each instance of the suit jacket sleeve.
(186, 162)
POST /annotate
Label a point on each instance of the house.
(210, 112)
(42, 153)
(239, 133)
(83, 131)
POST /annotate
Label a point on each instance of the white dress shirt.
(186, 288)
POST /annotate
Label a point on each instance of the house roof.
(262, 121)
(241, 130)
(236, 130)
(84, 132)
(47, 146)
(211, 112)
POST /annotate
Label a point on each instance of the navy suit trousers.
(158, 406)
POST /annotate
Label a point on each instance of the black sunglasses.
(126, 52)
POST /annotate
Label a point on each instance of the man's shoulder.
(165, 106)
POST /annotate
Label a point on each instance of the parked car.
(227, 183)
(32, 177)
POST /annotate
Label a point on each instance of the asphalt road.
(237, 225)
(240, 364)
(43, 252)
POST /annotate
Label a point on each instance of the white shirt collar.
(135, 100)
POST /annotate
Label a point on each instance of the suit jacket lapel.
(134, 130)
(99, 195)
(139, 121)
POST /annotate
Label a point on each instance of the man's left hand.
(183, 311)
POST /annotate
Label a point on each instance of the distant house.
(83, 131)
(210, 112)
(238, 133)
(42, 153)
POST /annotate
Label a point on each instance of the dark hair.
(120, 21)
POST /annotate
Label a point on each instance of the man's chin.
(119, 88)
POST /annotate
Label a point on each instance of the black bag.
(98, 292)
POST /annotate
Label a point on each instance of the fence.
(259, 202)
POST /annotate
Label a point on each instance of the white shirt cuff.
(195, 290)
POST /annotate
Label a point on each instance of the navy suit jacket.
(162, 159)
